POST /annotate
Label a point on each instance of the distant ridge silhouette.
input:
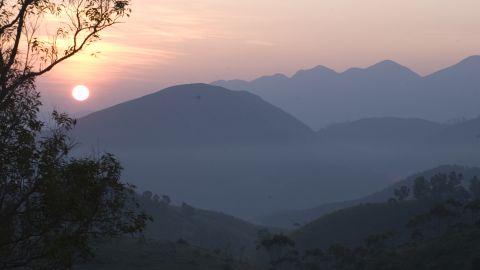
(196, 115)
(321, 96)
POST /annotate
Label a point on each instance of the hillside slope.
(352, 225)
(207, 229)
(193, 115)
(219, 149)
(290, 218)
(133, 254)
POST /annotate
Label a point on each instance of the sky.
(169, 42)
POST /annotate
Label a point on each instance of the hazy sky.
(167, 42)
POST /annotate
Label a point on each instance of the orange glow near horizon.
(168, 42)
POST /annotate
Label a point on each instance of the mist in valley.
(236, 135)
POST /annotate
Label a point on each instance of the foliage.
(208, 229)
(281, 250)
(402, 193)
(447, 236)
(128, 254)
(53, 205)
(27, 47)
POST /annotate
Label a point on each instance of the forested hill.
(294, 218)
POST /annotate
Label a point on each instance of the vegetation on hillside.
(52, 205)
(210, 230)
(127, 254)
(443, 237)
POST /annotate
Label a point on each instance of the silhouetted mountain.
(212, 147)
(463, 73)
(196, 115)
(223, 150)
(321, 96)
(387, 131)
(398, 147)
(395, 148)
(288, 219)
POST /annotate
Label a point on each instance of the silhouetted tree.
(37, 35)
(402, 193)
(475, 188)
(52, 205)
(281, 250)
(166, 200)
(421, 188)
(188, 210)
(314, 259)
(147, 195)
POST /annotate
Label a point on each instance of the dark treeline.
(53, 205)
(445, 237)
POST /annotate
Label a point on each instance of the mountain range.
(321, 96)
(233, 152)
(220, 149)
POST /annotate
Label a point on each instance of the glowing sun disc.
(80, 93)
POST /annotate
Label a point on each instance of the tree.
(402, 193)
(421, 188)
(147, 194)
(52, 206)
(26, 48)
(475, 188)
(281, 250)
(166, 200)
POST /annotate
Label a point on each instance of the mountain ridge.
(178, 115)
(201, 144)
(382, 89)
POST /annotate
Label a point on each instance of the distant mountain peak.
(465, 69)
(316, 71)
(279, 75)
(323, 68)
(474, 59)
(274, 77)
(386, 64)
(194, 114)
(193, 87)
(383, 68)
(391, 66)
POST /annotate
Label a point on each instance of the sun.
(80, 93)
